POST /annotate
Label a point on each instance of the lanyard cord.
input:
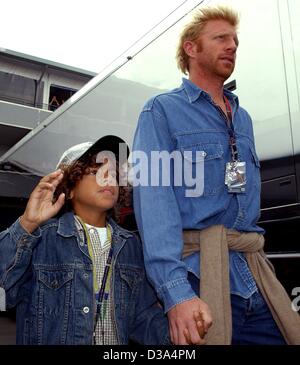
(103, 293)
(232, 139)
(104, 290)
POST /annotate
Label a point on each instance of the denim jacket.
(48, 276)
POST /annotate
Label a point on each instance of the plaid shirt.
(105, 328)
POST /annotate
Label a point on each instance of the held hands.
(198, 317)
(40, 206)
(189, 322)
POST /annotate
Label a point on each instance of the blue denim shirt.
(48, 277)
(186, 119)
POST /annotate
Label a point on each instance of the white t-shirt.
(102, 233)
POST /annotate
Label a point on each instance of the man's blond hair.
(194, 29)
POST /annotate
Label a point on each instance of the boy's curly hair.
(72, 175)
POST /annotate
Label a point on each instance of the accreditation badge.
(235, 177)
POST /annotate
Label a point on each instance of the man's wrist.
(175, 292)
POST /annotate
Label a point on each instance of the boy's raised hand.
(40, 206)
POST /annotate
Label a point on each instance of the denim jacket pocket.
(214, 164)
(130, 277)
(54, 279)
(53, 302)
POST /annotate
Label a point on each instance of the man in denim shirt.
(196, 117)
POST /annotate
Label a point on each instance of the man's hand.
(198, 317)
(40, 206)
(189, 322)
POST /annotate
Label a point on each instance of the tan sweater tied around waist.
(214, 243)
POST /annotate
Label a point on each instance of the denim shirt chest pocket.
(248, 154)
(254, 168)
(214, 162)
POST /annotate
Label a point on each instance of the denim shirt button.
(86, 310)
(85, 275)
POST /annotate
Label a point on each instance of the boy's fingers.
(59, 202)
(201, 329)
(44, 186)
(200, 323)
(57, 180)
(50, 181)
(52, 176)
(207, 320)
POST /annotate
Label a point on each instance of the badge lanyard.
(103, 294)
(232, 139)
(235, 174)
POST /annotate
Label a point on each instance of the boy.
(73, 274)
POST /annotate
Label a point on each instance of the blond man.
(212, 239)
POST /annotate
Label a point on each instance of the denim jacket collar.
(67, 227)
(119, 231)
(193, 92)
